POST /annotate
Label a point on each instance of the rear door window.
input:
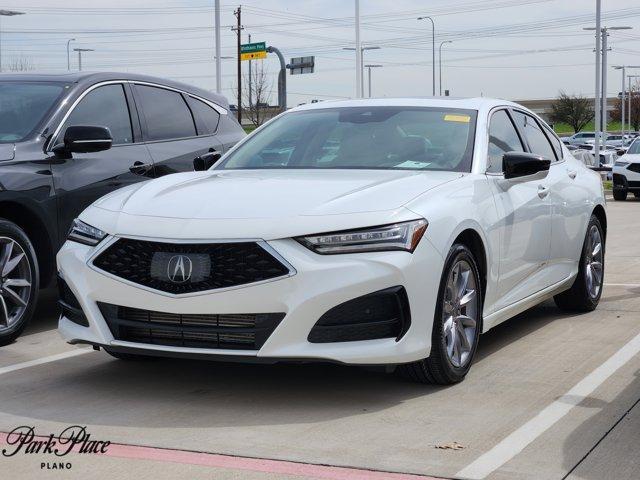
(206, 117)
(166, 113)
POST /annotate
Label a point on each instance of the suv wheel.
(19, 281)
(620, 194)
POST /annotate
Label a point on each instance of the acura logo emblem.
(179, 269)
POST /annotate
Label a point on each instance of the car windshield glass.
(23, 105)
(404, 138)
(634, 148)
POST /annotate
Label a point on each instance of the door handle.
(572, 174)
(140, 168)
(543, 191)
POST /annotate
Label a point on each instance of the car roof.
(472, 103)
(90, 78)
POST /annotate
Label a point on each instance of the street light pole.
(605, 34)
(68, 53)
(433, 52)
(6, 13)
(358, 49)
(440, 60)
(218, 49)
(623, 106)
(369, 67)
(362, 49)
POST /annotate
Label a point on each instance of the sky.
(513, 49)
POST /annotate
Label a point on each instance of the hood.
(630, 157)
(261, 203)
(7, 151)
(246, 194)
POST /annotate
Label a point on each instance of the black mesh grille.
(634, 167)
(216, 265)
(382, 314)
(224, 331)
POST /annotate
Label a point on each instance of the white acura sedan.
(364, 232)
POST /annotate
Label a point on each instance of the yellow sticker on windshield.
(457, 118)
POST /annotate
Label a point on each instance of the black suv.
(66, 140)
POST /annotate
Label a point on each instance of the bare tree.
(616, 114)
(575, 110)
(255, 107)
(21, 64)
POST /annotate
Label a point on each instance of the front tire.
(19, 281)
(620, 194)
(584, 295)
(457, 323)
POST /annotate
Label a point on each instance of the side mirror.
(621, 152)
(522, 164)
(84, 139)
(206, 161)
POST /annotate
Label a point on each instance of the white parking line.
(40, 361)
(630, 285)
(514, 443)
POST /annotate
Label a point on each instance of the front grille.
(382, 314)
(634, 167)
(245, 331)
(209, 266)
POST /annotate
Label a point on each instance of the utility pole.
(80, 50)
(440, 60)
(238, 29)
(605, 34)
(358, 52)
(250, 92)
(433, 52)
(362, 50)
(218, 49)
(369, 67)
(68, 55)
(597, 95)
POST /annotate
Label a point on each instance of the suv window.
(503, 138)
(105, 106)
(206, 117)
(166, 113)
(538, 141)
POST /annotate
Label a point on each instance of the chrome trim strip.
(168, 348)
(216, 107)
(262, 243)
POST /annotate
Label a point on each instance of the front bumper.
(320, 283)
(625, 179)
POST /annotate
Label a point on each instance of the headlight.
(398, 236)
(82, 233)
(621, 163)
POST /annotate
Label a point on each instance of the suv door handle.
(572, 174)
(140, 168)
(543, 191)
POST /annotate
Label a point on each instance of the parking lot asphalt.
(550, 396)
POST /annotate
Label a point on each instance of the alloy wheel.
(460, 313)
(593, 261)
(15, 282)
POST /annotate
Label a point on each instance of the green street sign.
(253, 47)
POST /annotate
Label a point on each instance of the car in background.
(68, 139)
(626, 173)
(579, 138)
(387, 231)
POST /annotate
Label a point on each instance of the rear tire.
(458, 316)
(620, 194)
(19, 281)
(582, 297)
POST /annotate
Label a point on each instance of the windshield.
(403, 138)
(634, 148)
(22, 106)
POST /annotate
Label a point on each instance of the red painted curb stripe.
(214, 460)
